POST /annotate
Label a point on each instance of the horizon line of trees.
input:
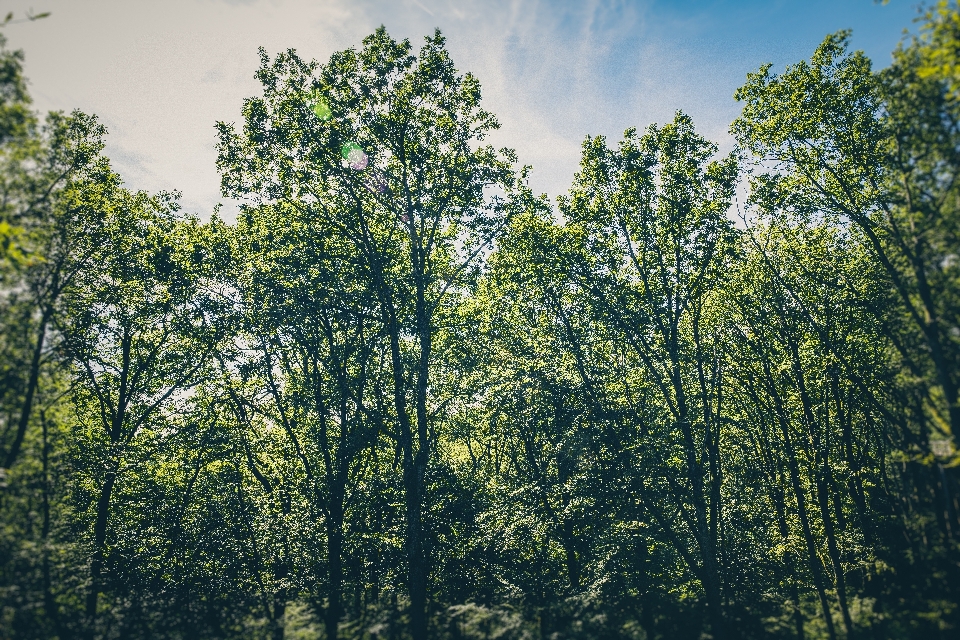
(402, 396)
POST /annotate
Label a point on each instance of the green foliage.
(939, 44)
(401, 397)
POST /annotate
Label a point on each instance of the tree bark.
(334, 563)
(99, 538)
(32, 382)
(822, 473)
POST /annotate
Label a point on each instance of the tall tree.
(383, 146)
(653, 219)
(136, 329)
(314, 341)
(879, 149)
(54, 201)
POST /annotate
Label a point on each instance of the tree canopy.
(403, 396)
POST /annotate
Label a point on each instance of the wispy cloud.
(161, 73)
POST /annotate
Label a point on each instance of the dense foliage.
(404, 397)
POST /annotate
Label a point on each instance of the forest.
(402, 396)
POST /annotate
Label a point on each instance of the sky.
(160, 73)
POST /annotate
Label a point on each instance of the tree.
(653, 219)
(314, 343)
(54, 203)
(136, 330)
(402, 397)
(879, 150)
(397, 172)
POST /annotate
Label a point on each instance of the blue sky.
(160, 73)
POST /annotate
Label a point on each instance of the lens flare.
(357, 160)
(377, 182)
(322, 109)
(354, 155)
(320, 105)
(348, 148)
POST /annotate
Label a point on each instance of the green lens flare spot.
(354, 156)
(320, 105)
(322, 109)
(348, 148)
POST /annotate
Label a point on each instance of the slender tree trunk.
(570, 556)
(712, 588)
(99, 538)
(277, 621)
(705, 533)
(711, 574)
(777, 494)
(931, 330)
(412, 482)
(32, 382)
(375, 577)
(417, 574)
(822, 473)
(708, 551)
(335, 563)
(416, 472)
(815, 565)
(50, 609)
(855, 485)
(833, 549)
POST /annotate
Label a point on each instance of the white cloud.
(160, 74)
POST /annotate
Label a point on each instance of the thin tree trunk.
(707, 544)
(417, 574)
(279, 626)
(822, 473)
(412, 482)
(711, 574)
(50, 609)
(99, 538)
(815, 565)
(570, 556)
(32, 382)
(833, 549)
(794, 468)
(414, 477)
(778, 500)
(335, 563)
(855, 486)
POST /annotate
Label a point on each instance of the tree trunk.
(335, 564)
(99, 538)
(417, 571)
(822, 473)
(815, 565)
(50, 609)
(777, 494)
(711, 573)
(414, 477)
(32, 382)
(279, 628)
(822, 491)
(413, 463)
